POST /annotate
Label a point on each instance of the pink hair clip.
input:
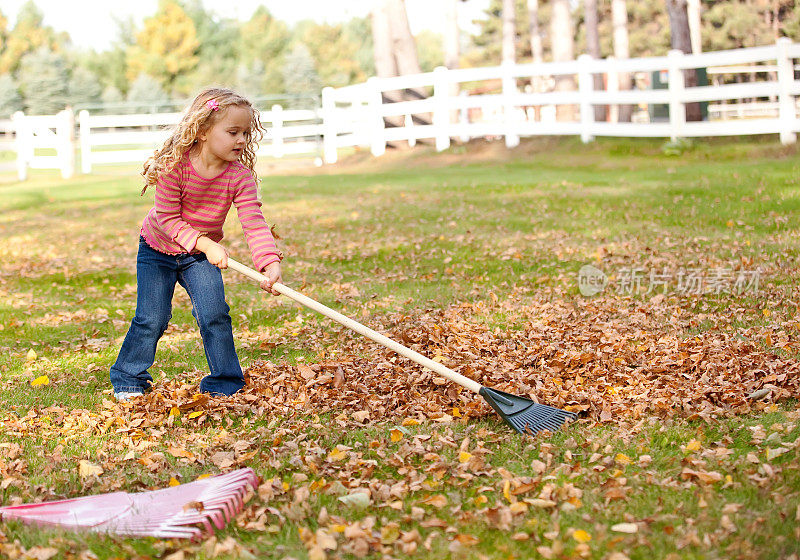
(212, 104)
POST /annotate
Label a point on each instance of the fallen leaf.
(357, 500)
(437, 500)
(581, 536)
(87, 469)
(41, 380)
(625, 528)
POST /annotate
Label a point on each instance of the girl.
(205, 166)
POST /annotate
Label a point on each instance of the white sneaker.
(125, 396)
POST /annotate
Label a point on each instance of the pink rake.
(186, 511)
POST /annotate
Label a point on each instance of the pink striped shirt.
(188, 205)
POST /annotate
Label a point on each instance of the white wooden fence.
(356, 115)
(132, 138)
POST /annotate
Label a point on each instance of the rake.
(522, 414)
(186, 511)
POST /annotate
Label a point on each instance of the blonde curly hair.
(198, 118)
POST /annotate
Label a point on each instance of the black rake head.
(524, 415)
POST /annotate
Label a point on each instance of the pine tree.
(147, 94)
(10, 99)
(83, 88)
(43, 80)
(299, 74)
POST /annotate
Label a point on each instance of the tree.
(537, 51)
(83, 87)
(167, 46)
(619, 19)
(489, 40)
(385, 64)
(43, 79)
(112, 99)
(509, 32)
(10, 99)
(27, 36)
(216, 51)
(403, 46)
(147, 94)
(562, 36)
(338, 51)
(261, 48)
(591, 22)
(451, 43)
(299, 74)
(431, 51)
(682, 41)
(695, 24)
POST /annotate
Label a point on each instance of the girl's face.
(227, 138)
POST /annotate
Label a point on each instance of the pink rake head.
(185, 511)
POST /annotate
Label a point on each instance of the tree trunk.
(537, 82)
(536, 35)
(509, 32)
(385, 66)
(452, 47)
(619, 21)
(681, 40)
(563, 50)
(695, 25)
(404, 47)
(591, 20)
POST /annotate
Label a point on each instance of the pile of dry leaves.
(605, 358)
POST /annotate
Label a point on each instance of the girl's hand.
(216, 253)
(273, 274)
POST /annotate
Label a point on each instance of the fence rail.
(515, 100)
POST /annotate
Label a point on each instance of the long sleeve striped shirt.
(188, 206)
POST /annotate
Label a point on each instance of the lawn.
(684, 368)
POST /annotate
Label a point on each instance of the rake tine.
(158, 513)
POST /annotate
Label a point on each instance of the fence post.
(509, 92)
(276, 115)
(374, 104)
(586, 89)
(677, 110)
(22, 138)
(84, 132)
(329, 152)
(786, 103)
(441, 110)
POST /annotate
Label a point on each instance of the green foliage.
(10, 99)
(430, 50)
(741, 23)
(488, 40)
(677, 147)
(43, 78)
(299, 75)
(216, 52)
(83, 87)
(147, 93)
(260, 51)
(28, 35)
(337, 50)
(167, 46)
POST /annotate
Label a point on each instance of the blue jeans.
(156, 275)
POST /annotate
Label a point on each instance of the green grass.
(416, 231)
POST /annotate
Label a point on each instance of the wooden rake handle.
(359, 328)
